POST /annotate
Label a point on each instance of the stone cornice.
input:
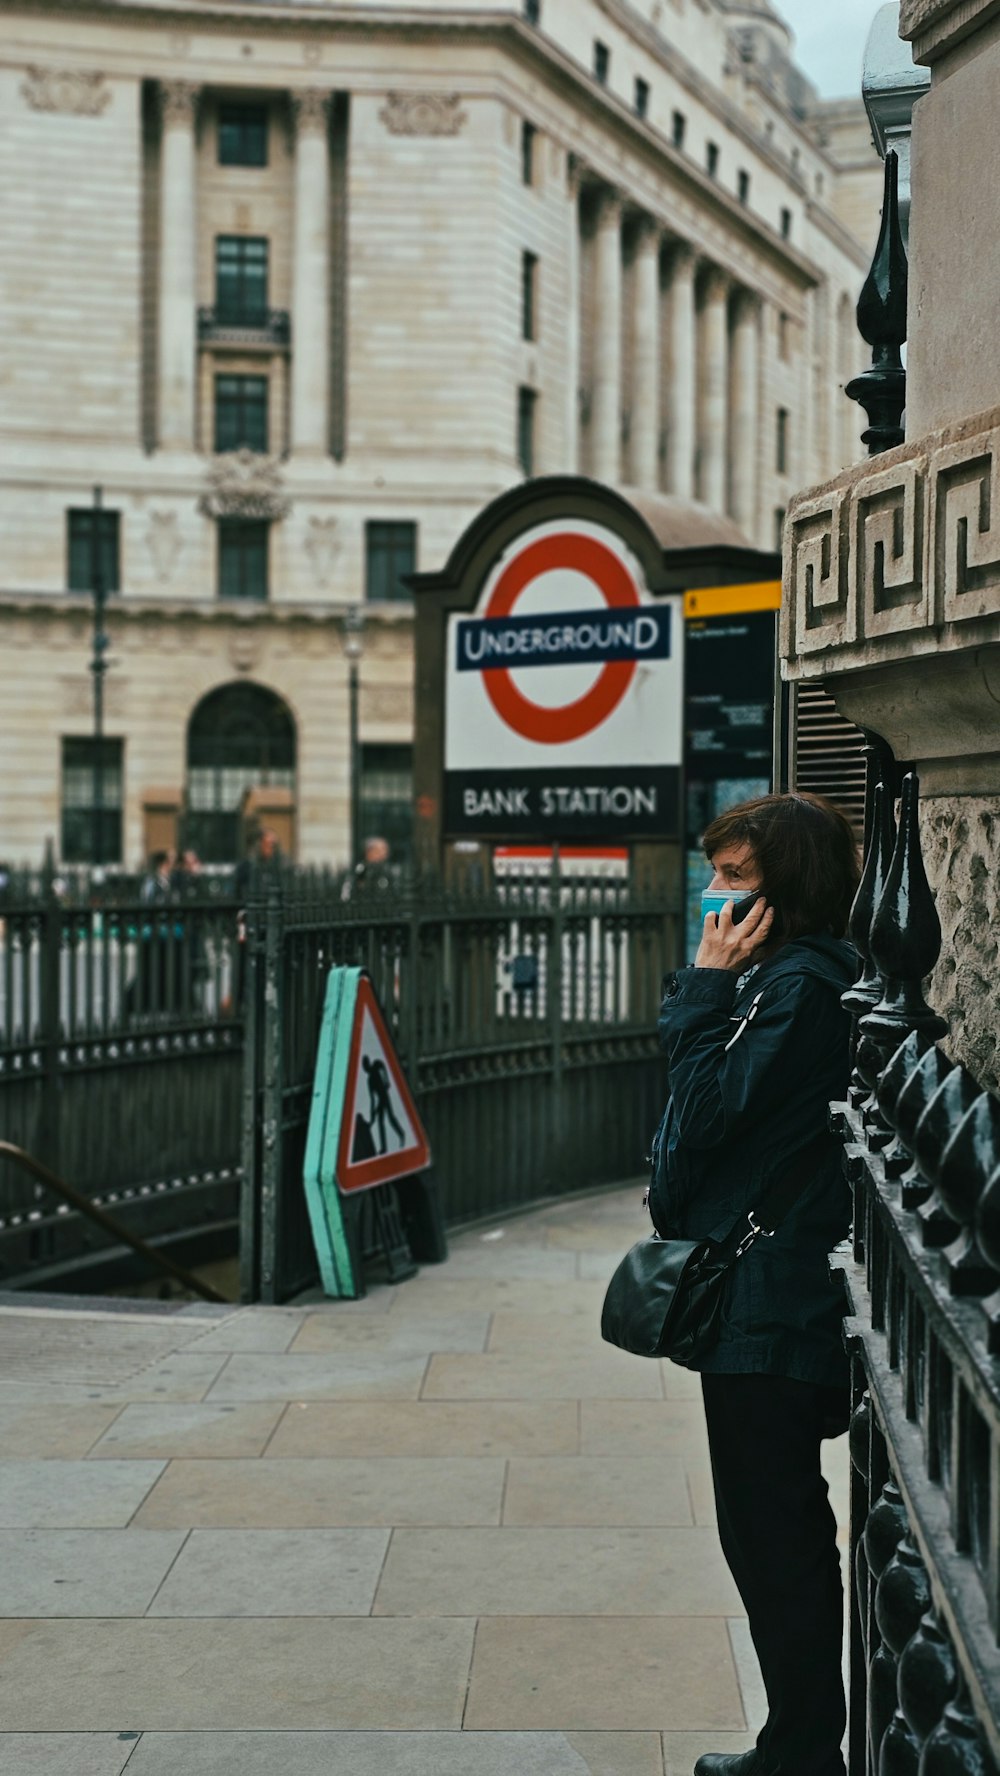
(934, 27)
(138, 608)
(506, 30)
(897, 558)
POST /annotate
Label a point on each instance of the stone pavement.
(444, 1531)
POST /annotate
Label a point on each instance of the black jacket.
(741, 1105)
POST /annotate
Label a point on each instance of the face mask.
(713, 901)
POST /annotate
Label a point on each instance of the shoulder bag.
(665, 1298)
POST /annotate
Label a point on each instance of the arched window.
(240, 737)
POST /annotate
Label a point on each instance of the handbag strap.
(780, 1196)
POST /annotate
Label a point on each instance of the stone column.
(310, 373)
(645, 430)
(178, 294)
(714, 390)
(572, 329)
(606, 401)
(681, 413)
(745, 414)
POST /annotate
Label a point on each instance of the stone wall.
(961, 843)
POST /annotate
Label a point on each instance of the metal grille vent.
(827, 753)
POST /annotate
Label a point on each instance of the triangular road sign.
(381, 1134)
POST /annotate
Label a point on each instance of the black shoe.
(725, 1763)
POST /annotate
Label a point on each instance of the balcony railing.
(260, 327)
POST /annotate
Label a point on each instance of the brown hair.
(807, 856)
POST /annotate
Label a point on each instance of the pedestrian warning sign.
(365, 1132)
(381, 1136)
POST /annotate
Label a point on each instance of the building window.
(528, 134)
(781, 442)
(529, 296)
(743, 187)
(81, 565)
(779, 527)
(241, 279)
(386, 797)
(712, 158)
(243, 135)
(602, 61)
(641, 97)
(390, 556)
(786, 224)
(784, 337)
(527, 401)
(533, 11)
(240, 737)
(243, 551)
(678, 129)
(241, 413)
(87, 837)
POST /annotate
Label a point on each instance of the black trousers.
(779, 1537)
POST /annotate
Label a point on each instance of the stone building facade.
(301, 287)
(892, 568)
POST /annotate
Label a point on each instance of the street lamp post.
(353, 649)
(98, 667)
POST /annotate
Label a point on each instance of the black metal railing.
(526, 1020)
(222, 325)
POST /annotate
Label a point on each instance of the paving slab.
(65, 1754)
(401, 1754)
(83, 1572)
(609, 1490)
(569, 1334)
(169, 1429)
(427, 1427)
(626, 1427)
(581, 1673)
(527, 1572)
(748, 1676)
(187, 1376)
(354, 1375)
(604, 1374)
(528, 1261)
(73, 1494)
(681, 1751)
(320, 1494)
(603, 1234)
(344, 1673)
(252, 1329)
(274, 1572)
(597, 1266)
(388, 1335)
(36, 1432)
(440, 1292)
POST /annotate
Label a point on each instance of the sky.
(830, 41)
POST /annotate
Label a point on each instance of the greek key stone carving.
(322, 548)
(69, 90)
(423, 114)
(311, 111)
(163, 542)
(244, 485)
(887, 554)
(965, 506)
(816, 611)
(178, 102)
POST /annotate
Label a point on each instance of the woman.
(757, 1046)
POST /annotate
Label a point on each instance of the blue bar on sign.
(565, 638)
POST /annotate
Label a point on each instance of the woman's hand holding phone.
(730, 945)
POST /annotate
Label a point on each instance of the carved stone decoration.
(322, 548)
(310, 111)
(965, 528)
(423, 114)
(244, 485)
(163, 542)
(69, 90)
(816, 614)
(179, 102)
(887, 551)
(245, 646)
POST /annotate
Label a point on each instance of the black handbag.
(665, 1299)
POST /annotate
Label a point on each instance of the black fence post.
(271, 956)
(50, 1031)
(881, 391)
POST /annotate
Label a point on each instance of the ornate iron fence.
(922, 1152)
(120, 1065)
(526, 1020)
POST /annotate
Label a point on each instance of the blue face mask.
(713, 900)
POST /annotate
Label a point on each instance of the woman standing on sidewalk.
(740, 1109)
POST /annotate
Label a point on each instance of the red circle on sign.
(569, 721)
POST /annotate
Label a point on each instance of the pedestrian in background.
(757, 1044)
